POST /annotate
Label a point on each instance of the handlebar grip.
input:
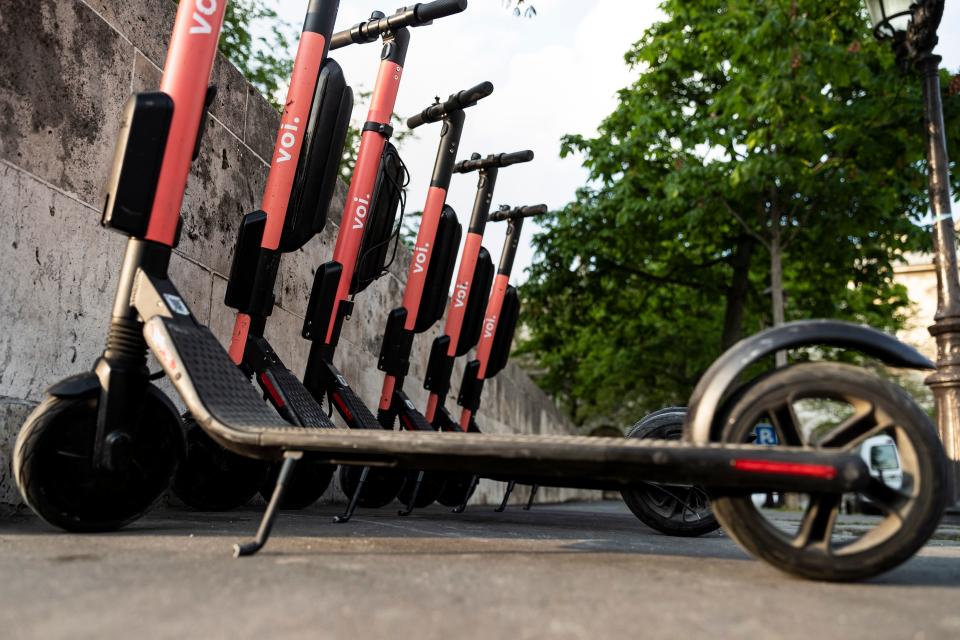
(427, 11)
(506, 213)
(469, 97)
(532, 210)
(508, 159)
(341, 39)
(431, 114)
(415, 121)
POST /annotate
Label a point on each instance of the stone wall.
(66, 67)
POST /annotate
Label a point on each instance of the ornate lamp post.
(912, 28)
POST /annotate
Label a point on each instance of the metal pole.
(945, 383)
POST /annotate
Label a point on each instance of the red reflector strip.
(824, 471)
(342, 406)
(275, 397)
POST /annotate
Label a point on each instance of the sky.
(553, 74)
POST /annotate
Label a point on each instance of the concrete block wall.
(66, 68)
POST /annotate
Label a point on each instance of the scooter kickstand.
(270, 515)
(346, 515)
(506, 496)
(533, 494)
(463, 505)
(413, 497)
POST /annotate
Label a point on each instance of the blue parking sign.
(765, 434)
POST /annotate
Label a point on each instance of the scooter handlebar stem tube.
(186, 73)
(373, 140)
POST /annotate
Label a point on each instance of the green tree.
(765, 165)
(266, 60)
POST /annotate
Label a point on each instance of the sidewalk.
(584, 570)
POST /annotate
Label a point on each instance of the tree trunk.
(737, 292)
(776, 283)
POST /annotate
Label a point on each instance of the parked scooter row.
(104, 445)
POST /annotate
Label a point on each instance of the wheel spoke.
(787, 424)
(816, 527)
(889, 500)
(860, 426)
(676, 503)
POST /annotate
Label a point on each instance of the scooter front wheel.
(675, 510)
(380, 489)
(826, 405)
(213, 478)
(53, 463)
(430, 488)
(457, 490)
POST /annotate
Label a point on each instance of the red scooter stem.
(493, 315)
(190, 56)
(311, 52)
(352, 223)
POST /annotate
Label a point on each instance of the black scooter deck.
(226, 405)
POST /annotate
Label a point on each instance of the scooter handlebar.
(428, 11)
(456, 102)
(516, 157)
(418, 15)
(506, 213)
(493, 160)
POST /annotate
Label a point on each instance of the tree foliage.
(764, 149)
(266, 60)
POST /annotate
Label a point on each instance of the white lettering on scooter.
(420, 256)
(460, 294)
(288, 138)
(360, 213)
(488, 326)
(203, 8)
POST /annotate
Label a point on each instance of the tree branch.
(743, 223)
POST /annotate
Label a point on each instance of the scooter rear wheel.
(675, 510)
(381, 488)
(212, 478)
(457, 490)
(792, 400)
(430, 489)
(309, 481)
(54, 468)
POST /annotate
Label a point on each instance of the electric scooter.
(362, 245)
(498, 328)
(425, 292)
(294, 208)
(102, 446)
(366, 227)
(464, 315)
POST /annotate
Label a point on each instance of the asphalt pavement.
(584, 570)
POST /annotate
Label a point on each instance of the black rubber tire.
(666, 424)
(53, 464)
(381, 489)
(213, 478)
(309, 481)
(430, 488)
(457, 490)
(741, 520)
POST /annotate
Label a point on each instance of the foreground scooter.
(102, 447)
(424, 295)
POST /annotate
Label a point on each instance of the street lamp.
(912, 28)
